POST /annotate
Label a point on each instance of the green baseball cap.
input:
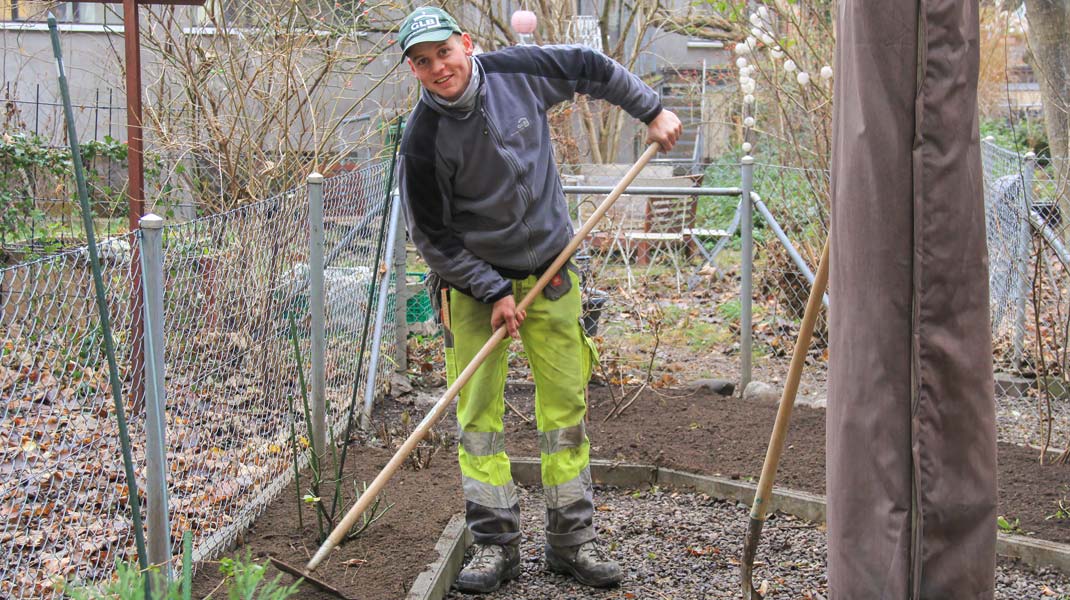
(426, 24)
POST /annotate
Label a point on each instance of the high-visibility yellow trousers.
(561, 358)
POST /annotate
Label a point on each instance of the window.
(229, 13)
(66, 12)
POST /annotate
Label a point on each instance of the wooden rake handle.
(421, 431)
(791, 387)
(780, 428)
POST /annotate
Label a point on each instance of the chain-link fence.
(791, 225)
(231, 283)
(1027, 239)
(62, 497)
(1026, 199)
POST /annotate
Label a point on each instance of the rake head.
(308, 578)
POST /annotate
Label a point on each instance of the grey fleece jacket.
(481, 190)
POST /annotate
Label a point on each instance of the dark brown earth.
(697, 432)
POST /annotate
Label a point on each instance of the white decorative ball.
(826, 72)
(741, 62)
(742, 48)
(748, 122)
(767, 39)
(747, 147)
(747, 86)
(776, 53)
(748, 99)
(789, 65)
(763, 12)
(803, 78)
(752, 42)
(755, 20)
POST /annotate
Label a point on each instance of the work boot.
(490, 567)
(586, 562)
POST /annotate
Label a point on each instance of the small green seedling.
(1062, 513)
(1007, 526)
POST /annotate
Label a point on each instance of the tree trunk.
(1049, 40)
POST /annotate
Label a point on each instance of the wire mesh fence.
(63, 495)
(1026, 199)
(795, 203)
(231, 284)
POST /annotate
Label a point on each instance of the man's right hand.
(665, 129)
(505, 312)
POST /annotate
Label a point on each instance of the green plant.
(129, 582)
(1024, 135)
(31, 169)
(730, 310)
(1008, 526)
(368, 517)
(1062, 512)
(325, 517)
(244, 579)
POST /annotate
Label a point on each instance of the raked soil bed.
(699, 432)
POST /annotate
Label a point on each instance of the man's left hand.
(665, 129)
(505, 313)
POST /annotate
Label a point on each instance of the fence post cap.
(747, 159)
(151, 221)
(315, 178)
(1030, 156)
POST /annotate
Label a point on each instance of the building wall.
(93, 53)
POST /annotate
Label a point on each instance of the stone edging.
(435, 582)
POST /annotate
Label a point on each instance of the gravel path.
(1019, 421)
(685, 545)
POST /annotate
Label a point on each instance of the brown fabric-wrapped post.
(911, 424)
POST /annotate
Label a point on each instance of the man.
(486, 211)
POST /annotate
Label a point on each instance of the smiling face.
(443, 67)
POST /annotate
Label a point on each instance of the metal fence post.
(401, 296)
(157, 514)
(747, 258)
(316, 308)
(1024, 282)
(380, 314)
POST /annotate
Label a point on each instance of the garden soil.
(699, 432)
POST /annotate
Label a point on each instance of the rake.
(780, 428)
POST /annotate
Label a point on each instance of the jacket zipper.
(525, 193)
(915, 567)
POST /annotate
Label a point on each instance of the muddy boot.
(490, 567)
(586, 562)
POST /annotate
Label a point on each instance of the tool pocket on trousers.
(559, 284)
